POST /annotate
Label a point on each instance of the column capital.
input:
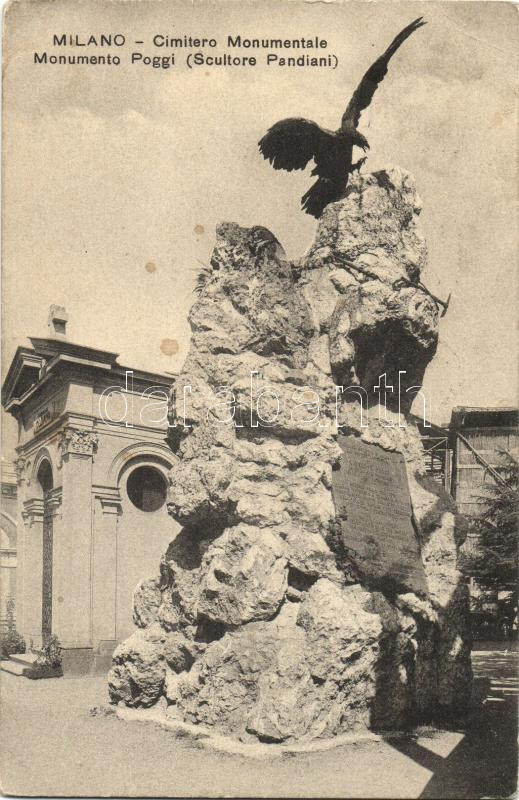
(109, 497)
(32, 511)
(53, 501)
(22, 466)
(78, 441)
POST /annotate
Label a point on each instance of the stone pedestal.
(264, 621)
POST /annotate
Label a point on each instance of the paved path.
(52, 745)
(484, 763)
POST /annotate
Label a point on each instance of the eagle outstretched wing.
(292, 143)
(363, 94)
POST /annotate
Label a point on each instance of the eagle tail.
(322, 192)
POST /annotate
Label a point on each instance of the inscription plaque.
(372, 500)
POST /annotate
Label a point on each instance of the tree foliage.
(10, 640)
(498, 525)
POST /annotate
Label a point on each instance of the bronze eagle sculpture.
(291, 143)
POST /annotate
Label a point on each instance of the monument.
(313, 589)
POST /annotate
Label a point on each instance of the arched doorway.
(45, 480)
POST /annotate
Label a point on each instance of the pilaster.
(104, 565)
(74, 551)
(31, 591)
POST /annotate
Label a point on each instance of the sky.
(114, 178)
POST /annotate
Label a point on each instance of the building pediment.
(24, 373)
(31, 366)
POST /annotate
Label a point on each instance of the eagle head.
(359, 140)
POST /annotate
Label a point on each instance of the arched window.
(45, 477)
(147, 489)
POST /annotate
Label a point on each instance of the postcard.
(259, 399)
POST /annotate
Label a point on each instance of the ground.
(53, 745)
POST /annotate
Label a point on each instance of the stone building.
(92, 472)
(477, 437)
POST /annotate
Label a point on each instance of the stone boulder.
(147, 599)
(138, 670)
(262, 624)
(244, 577)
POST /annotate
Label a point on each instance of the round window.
(146, 487)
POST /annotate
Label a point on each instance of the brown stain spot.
(150, 266)
(500, 118)
(60, 599)
(199, 229)
(169, 347)
(308, 397)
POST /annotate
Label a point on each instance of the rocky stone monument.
(313, 588)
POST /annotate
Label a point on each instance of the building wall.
(470, 476)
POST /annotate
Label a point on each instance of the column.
(73, 540)
(104, 568)
(19, 465)
(32, 548)
(53, 510)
